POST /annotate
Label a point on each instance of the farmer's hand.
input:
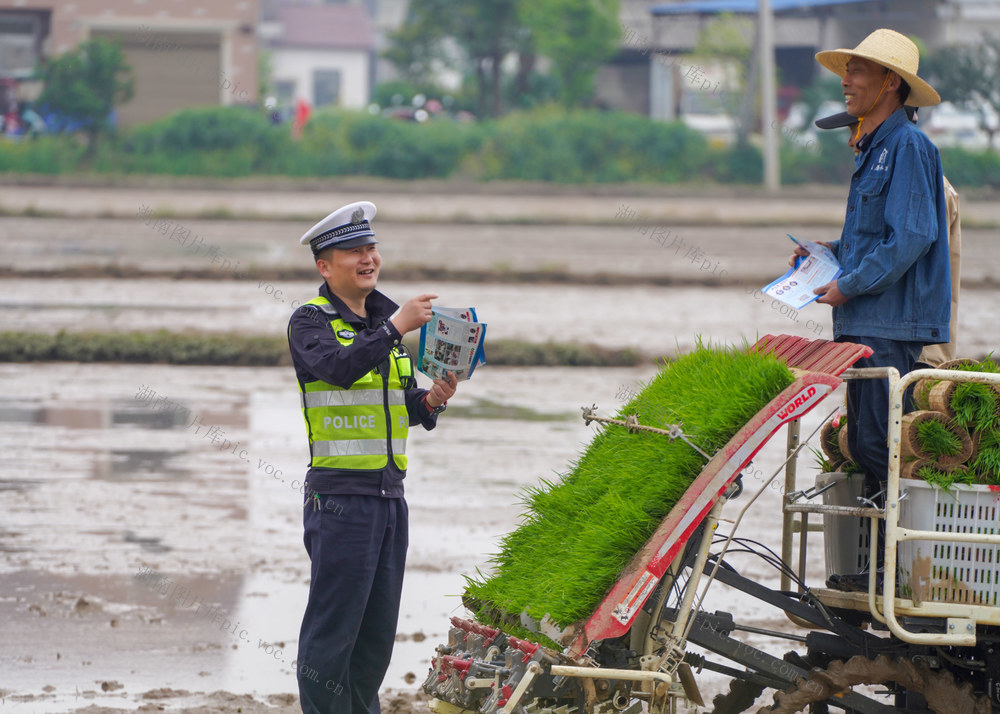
(830, 294)
(799, 252)
(413, 314)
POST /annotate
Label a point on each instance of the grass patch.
(578, 533)
(164, 347)
(161, 347)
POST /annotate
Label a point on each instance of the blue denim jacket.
(894, 246)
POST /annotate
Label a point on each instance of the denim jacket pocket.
(872, 193)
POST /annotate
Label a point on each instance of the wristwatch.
(435, 410)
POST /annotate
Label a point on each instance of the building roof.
(335, 27)
(711, 7)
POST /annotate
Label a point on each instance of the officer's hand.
(830, 294)
(441, 391)
(413, 314)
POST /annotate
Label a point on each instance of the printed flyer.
(452, 343)
(795, 288)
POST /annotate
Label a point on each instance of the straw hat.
(893, 51)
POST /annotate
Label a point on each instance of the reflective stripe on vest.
(350, 398)
(352, 429)
(369, 447)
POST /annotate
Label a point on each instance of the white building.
(323, 54)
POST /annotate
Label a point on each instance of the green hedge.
(43, 155)
(352, 143)
(545, 144)
(827, 159)
(589, 146)
(971, 169)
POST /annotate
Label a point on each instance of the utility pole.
(765, 39)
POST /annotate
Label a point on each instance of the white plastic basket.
(937, 571)
(845, 538)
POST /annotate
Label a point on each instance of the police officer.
(359, 397)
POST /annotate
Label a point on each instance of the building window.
(17, 44)
(326, 87)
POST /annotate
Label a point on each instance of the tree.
(577, 36)
(470, 36)
(477, 38)
(85, 84)
(728, 42)
(969, 76)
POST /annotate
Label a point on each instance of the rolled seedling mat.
(922, 392)
(910, 469)
(945, 478)
(846, 467)
(986, 461)
(940, 396)
(974, 435)
(945, 397)
(911, 447)
(922, 387)
(845, 450)
(830, 442)
(957, 363)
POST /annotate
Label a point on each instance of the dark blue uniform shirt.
(318, 355)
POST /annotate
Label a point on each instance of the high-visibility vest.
(357, 428)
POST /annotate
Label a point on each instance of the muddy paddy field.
(150, 539)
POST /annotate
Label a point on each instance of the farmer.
(359, 397)
(932, 355)
(894, 293)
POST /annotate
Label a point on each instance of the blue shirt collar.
(882, 130)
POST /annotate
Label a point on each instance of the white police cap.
(347, 227)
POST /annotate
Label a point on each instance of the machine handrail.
(959, 632)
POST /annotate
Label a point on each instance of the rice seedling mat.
(554, 578)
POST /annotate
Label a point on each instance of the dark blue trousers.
(868, 406)
(357, 545)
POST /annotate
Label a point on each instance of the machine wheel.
(739, 698)
(943, 694)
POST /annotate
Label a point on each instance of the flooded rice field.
(113, 471)
(150, 538)
(661, 249)
(653, 320)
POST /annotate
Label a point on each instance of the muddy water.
(192, 473)
(666, 248)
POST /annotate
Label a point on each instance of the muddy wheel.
(738, 699)
(943, 694)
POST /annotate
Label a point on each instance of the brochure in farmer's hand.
(795, 288)
(452, 342)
